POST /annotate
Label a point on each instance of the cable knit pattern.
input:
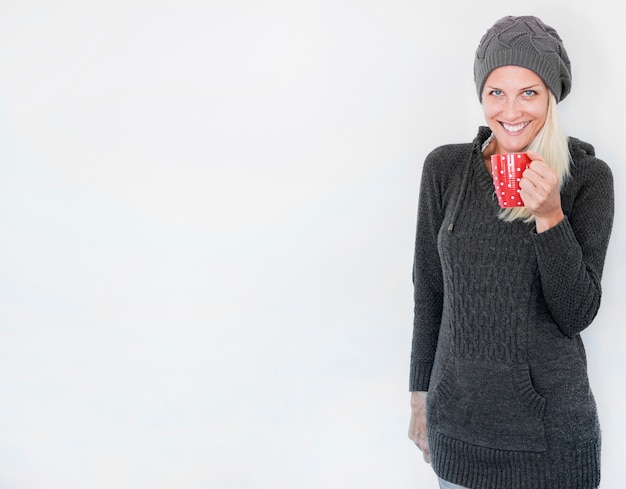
(498, 312)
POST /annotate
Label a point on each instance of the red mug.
(506, 170)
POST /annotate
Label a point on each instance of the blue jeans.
(448, 485)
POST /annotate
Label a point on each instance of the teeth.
(516, 128)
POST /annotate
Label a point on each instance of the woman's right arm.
(427, 275)
(428, 298)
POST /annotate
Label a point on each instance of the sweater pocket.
(492, 405)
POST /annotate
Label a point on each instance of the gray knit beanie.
(527, 42)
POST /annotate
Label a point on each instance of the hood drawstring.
(463, 189)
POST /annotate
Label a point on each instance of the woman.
(499, 391)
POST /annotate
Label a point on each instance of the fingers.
(540, 189)
(426, 453)
(423, 446)
(418, 431)
(422, 443)
(541, 174)
(534, 156)
(420, 438)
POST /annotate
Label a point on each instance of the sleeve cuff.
(420, 377)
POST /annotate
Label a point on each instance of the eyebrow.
(536, 85)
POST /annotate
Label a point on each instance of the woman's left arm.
(571, 249)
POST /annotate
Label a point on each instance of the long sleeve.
(427, 277)
(571, 255)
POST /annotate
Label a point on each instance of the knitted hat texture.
(527, 42)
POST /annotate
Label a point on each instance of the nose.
(512, 109)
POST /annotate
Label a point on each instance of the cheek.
(486, 112)
(539, 111)
(540, 119)
(489, 110)
(541, 116)
(489, 114)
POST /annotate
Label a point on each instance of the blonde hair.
(551, 143)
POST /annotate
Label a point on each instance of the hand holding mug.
(541, 192)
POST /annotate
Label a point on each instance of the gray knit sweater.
(498, 312)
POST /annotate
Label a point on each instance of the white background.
(207, 215)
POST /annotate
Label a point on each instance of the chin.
(512, 145)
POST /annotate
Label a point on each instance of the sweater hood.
(483, 134)
(578, 146)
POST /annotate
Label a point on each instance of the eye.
(529, 93)
(496, 93)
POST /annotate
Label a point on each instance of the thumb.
(534, 156)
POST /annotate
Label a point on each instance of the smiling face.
(515, 104)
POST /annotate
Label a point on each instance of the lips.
(514, 128)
